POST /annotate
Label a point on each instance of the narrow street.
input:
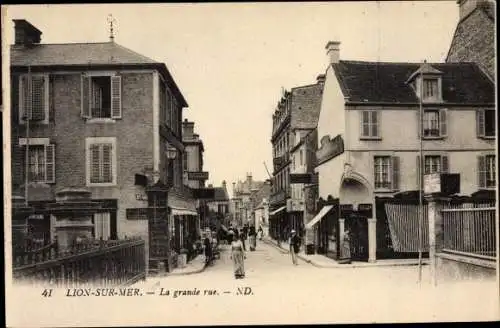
(296, 294)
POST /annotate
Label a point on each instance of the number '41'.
(47, 293)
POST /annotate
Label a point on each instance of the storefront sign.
(300, 178)
(35, 217)
(365, 210)
(199, 176)
(330, 148)
(345, 210)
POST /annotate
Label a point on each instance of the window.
(487, 171)
(432, 164)
(301, 158)
(34, 98)
(434, 123)
(386, 170)
(101, 161)
(485, 123)
(185, 161)
(370, 124)
(101, 97)
(168, 109)
(41, 160)
(431, 123)
(431, 90)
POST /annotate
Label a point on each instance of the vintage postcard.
(250, 163)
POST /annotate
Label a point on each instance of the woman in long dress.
(253, 238)
(238, 256)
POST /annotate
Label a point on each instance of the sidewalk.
(196, 265)
(322, 261)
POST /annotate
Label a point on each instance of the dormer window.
(426, 81)
(431, 88)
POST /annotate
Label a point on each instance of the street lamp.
(171, 152)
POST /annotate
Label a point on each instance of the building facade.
(218, 207)
(296, 115)
(241, 203)
(370, 129)
(93, 116)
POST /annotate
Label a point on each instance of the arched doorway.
(354, 190)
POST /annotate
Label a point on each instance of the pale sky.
(231, 60)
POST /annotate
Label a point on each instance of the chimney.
(321, 79)
(468, 6)
(224, 184)
(187, 129)
(249, 181)
(234, 188)
(25, 33)
(333, 51)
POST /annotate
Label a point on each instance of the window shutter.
(107, 168)
(50, 164)
(38, 84)
(50, 92)
(444, 164)
(85, 110)
(375, 123)
(395, 172)
(365, 123)
(480, 126)
(443, 130)
(116, 96)
(24, 92)
(418, 169)
(94, 163)
(481, 171)
(419, 124)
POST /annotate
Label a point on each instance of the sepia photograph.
(250, 163)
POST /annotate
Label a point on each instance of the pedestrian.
(238, 257)
(252, 238)
(208, 248)
(260, 232)
(294, 246)
(242, 237)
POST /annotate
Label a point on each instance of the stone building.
(99, 114)
(474, 37)
(369, 134)
(295, 116)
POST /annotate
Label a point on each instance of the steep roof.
(379, 82)
(76, 54)
(220, 194)
(306, 104)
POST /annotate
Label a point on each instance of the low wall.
(458, 267)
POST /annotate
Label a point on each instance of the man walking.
(294, 246)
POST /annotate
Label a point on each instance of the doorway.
(356, 226)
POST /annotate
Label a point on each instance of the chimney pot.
(333, 51)
(321, 79)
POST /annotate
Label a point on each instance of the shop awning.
(319, 216)
(183, 211)
(278, 210)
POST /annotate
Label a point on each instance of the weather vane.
(111, 20)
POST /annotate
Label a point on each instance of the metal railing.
(95, 262)
(470, 231)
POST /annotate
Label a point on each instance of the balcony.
(198, 176)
